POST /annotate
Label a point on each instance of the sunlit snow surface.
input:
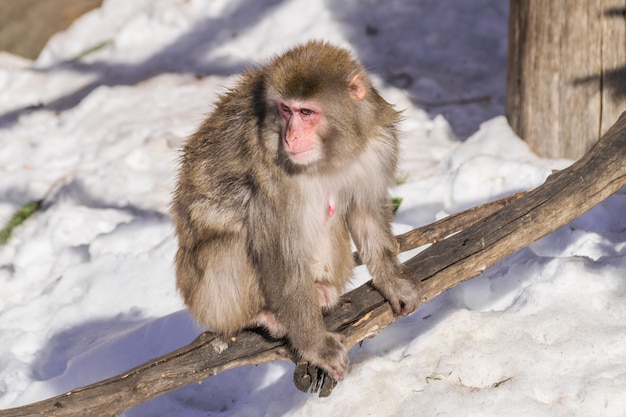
(87, 284)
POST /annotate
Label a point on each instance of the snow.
(87, 284)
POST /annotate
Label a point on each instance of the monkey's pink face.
(301, 138)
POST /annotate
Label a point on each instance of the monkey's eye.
(285, 108)
(306, 112)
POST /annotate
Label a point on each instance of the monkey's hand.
(404, 295)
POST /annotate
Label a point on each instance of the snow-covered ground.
(87, 285)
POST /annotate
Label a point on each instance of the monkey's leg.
(218, 284)
(327, 294)
(267, 320)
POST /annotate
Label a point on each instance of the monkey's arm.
(378, 249)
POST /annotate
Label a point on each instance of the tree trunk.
(566, 81)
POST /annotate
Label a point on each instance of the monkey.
(291, 164)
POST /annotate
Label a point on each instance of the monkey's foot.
(308, 376)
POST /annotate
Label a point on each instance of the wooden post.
(566, 81)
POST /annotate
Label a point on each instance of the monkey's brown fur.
(265, 240)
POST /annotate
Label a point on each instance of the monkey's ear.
(356, 87)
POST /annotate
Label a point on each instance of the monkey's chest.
(327, 239)
(319, 220)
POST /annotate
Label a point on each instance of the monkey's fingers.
(328, 385)
(309, 378)
(317, 377)
(404, 295)
(301, 377)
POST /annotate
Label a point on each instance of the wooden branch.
(443, 228)
(521, 220)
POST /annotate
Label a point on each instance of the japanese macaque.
(294, 160)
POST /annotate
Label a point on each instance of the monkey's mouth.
(305, 156)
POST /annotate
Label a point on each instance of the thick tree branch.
(486, 235)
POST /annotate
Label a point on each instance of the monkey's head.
(320, 94)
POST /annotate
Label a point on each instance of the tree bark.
(363, 313)
(566, 80)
